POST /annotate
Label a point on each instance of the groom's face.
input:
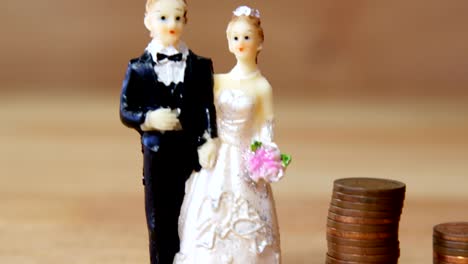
(166, 21)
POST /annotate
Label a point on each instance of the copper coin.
(363, 214)
(451, 251)
(369, 187)
(363, 228)
(390, 242)
(436, 261)
(388, 250)
(368, 199)
(450, 259)
(334, 260)
(456, 231)
(367, 207)
(363, 220)
(450, 244)
(361, 235)
(363, 258)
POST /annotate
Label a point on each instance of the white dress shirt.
(168, 71)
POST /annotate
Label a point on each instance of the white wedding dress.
(226, 218)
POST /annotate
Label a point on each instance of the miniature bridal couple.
(207, 143)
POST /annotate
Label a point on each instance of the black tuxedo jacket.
(141, 92)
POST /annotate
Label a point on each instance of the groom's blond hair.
(150, 3)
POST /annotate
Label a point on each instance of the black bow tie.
(175, 57)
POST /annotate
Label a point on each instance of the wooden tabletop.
(71, 188)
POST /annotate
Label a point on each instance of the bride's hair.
(252, 19)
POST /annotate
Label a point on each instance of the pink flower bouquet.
(265, 162)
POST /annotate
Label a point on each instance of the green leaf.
(286, 159)
(256, 145)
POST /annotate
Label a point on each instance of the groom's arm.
(208, 144)
(131, 113)
(207, 125)
(210, 110)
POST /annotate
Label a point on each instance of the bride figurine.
(228, 215)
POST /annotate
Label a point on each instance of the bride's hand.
(207, 153)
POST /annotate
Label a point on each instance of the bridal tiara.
(246, 11)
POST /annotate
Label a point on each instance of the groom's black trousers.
(165, 173)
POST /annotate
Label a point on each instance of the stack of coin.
(450, 241)
(363, 219)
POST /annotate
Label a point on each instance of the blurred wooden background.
(362, 88)
(313, 47)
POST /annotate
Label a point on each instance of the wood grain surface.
(70, 174)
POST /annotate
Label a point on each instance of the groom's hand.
(163, 119)
(207, 153)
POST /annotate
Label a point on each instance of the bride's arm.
(216, 85)
(265, 113)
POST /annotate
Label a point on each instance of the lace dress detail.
(225, 217)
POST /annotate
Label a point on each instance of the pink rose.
(265, 163)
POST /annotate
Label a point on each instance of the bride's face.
(244, 41)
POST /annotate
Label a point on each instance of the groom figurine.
(167, 96)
